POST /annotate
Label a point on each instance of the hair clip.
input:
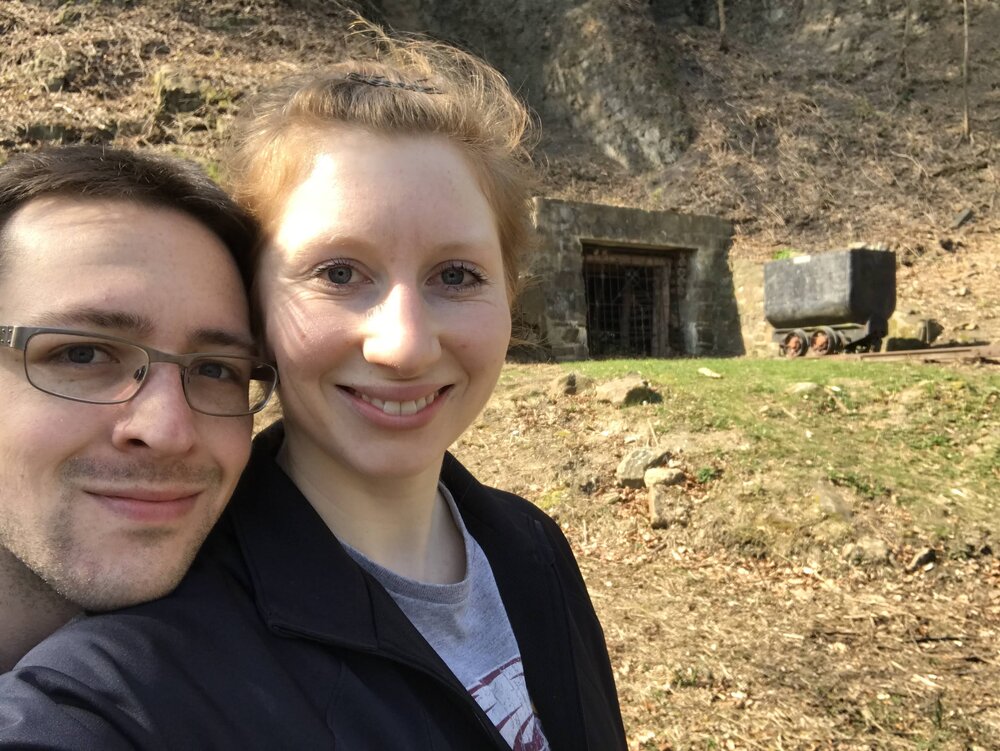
(373, 80)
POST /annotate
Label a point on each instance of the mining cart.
(839, 301)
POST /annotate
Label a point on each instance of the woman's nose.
(401, 332)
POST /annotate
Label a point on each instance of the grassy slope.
(925, 438)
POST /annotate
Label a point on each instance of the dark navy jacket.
(276, 639)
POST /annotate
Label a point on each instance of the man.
(119, 449)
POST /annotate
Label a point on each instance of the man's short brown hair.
(106, 173)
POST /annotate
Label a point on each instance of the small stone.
(805, 387)
(921, 559)
(962, 292)
(973, 546)
(666, 508)
(625, 391)
(176, 92)
(569, 384)
(867, 550)
(663, 476)
(632, 469)
(865, 245)
(832, 501)
(961, 218)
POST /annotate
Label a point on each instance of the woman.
(439, 614)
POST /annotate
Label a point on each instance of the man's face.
(108, 503)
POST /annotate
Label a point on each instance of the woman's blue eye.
(453, 277)
(340, 274)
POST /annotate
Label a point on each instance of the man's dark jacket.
(276, 639)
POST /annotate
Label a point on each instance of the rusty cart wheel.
(824, 341)
(795, 344)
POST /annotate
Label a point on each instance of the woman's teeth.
(399, 408)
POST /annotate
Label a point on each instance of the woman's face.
(384, 304)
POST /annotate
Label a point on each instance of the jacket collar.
(305, 582)
(291, 556)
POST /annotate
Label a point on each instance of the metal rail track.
(983, 353)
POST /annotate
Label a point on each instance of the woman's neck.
(29, 610)
(401, 523)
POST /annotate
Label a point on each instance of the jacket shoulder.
(79, 689)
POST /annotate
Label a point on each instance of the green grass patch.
(925, 437)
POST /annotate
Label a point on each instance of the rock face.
(593, 69)
(632, 469)
(626, 391)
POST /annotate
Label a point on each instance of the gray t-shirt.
(467, 626)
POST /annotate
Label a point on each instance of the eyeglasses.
(99, 369)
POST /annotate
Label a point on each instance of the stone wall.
(554, 304)
(748, 286)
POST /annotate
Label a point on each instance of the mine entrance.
(633, 299)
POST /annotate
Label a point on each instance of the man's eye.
(217, 371)
(340, 274)
(83, 354)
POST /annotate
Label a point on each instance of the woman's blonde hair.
(397, 86)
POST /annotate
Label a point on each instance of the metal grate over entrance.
(632, 302)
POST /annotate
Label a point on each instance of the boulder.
(667, 507)
(625, 391)
(663, 476)
(910, 331)
(632, 469)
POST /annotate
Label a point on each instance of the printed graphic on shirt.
(503, 695)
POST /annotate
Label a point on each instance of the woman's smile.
(397, 406)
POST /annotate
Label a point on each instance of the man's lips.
(147, 505)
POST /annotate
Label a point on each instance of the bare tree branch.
(723, 41)
(966, 127)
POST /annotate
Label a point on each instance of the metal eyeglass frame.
(17, 337)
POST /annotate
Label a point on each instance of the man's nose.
(158, 417)
(402, 332)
